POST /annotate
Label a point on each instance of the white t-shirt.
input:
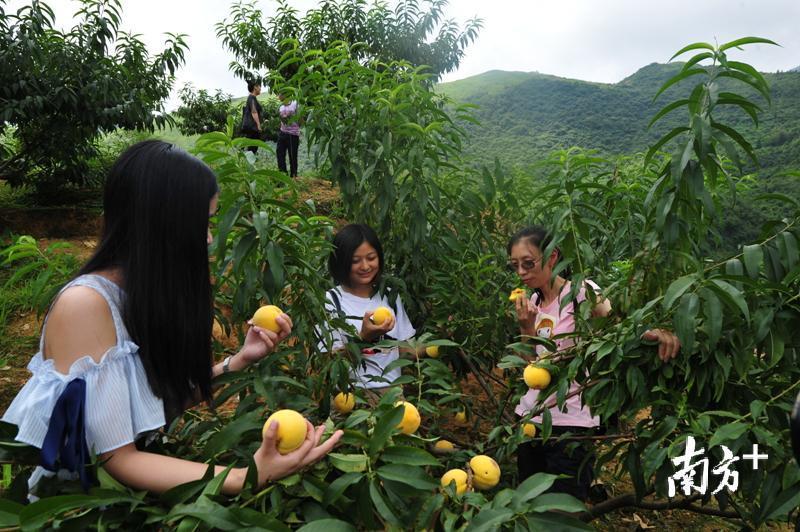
(372, 373)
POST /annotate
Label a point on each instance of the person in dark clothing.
(251, 114)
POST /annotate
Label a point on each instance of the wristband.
(226, 364)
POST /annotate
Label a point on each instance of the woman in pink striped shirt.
(289, 136)
(543, 315)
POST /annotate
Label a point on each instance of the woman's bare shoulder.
(79, 323)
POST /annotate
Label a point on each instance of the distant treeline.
(525, 116)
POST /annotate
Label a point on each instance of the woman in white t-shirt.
(543, 315)
(356, 264)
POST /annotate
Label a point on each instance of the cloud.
(585, 39)
(610, 39)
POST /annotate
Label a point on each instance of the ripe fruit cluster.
(485, 475)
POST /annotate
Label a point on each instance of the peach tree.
(63, 89)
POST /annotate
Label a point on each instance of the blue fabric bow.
(64, 445)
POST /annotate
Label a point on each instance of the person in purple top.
(289, 136)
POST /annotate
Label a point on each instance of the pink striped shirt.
(286, 111)
(552, 321)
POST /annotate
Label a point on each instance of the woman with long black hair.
(126, 345)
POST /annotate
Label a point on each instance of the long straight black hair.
(155, 205)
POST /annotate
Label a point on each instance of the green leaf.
(337, 487)
(231, 434)
(667, 109)
(676, 290)
(738, 138)
(383, 508)
(684, 320)
(215, 485)
(349, 463)
(663, 140)
(733, 295)
(712, 310)
(256, 520)
(753, 257)
(683, 74)
(183, 492)
(489, 519)
(756, 409)
(410, 476)
(401, 454)
(562, 523)
(728, 432)
(785, 502)
(384, 428)
(693, 46)
(327, 525)
(512, 361)
(108, 482)
(744, 78)
(695, 59)
(556, 501)
(399, 363)
(531, 487)
(746, 40)
(9, 513)
(207, 511)
(429, 511)
(734, 267)
(791, 251)
(36, 515)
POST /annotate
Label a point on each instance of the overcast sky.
(595, 40)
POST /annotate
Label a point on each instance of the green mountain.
(523, 116)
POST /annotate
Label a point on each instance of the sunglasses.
(527, 265)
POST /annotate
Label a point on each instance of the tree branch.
(629, 500)
(489, 392)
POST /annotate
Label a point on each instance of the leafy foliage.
(523, 117)
(62, 89)
(638, 226)
(41, 271)
(733, 382)
(201, 112)
(415, 31)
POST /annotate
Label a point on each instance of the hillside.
(524, 116)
